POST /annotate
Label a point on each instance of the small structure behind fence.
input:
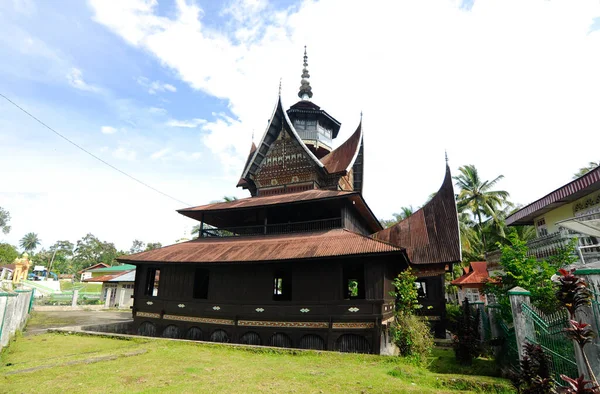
(14, 310)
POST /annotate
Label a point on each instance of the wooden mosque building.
(303, 262)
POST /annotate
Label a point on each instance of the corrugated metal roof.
(342, 158)
(477, 274)
(338, 242)
(431, 234)
(250, 202)
(565, 194)
(128, 276)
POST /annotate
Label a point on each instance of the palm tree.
(29, 242)
(584, 170)
(477, 196)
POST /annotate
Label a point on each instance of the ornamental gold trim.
(148, 314)
(283, 324)
(208, 320)
(353, 326)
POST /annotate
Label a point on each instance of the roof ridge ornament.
(280, 86)
(446, 156)
(305, 92)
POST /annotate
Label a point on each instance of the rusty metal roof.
(568, 193)
(330, 243)
(342, 158)
(430, 235)
(251, 202)
(477, 273)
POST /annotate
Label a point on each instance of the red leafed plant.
(578, 386)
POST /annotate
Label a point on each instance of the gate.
(548, 332)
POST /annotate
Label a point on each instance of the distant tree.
(62, 255)
(477, 196)
(398, 217)
(4, 219)
(137, 246)
(29, 242)
(90, 250)
(153, 245)
(584, 170)
(8, 253)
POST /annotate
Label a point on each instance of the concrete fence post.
(75, 297)
(519, 296)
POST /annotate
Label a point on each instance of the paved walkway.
(40, 322)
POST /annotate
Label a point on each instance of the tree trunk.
(482, 234)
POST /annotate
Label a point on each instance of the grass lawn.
(67, 285)
(58, 363)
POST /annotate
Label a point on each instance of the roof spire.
(446, 154)
(280, 86)
(305, 92)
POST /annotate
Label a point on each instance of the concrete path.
(40, 322)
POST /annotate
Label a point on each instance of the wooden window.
(354, 282)
(152, 279)
(541, 227)
(282, 286)
(201, 283)
(421, 286)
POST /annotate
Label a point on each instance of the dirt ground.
(40, 322)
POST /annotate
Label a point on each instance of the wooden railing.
(274, 229)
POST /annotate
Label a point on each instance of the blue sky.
(172, 91)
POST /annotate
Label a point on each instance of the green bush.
(453, 313)
(412, 336)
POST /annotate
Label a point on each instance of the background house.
(86, 273)
(571, 211)
(470, 284)
(117, 286)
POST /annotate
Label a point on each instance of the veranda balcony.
(273, 229)
(588, 248)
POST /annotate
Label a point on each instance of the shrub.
(453, 313)
(467, 342)
(533, 376)
(412, 336)
(405, 293)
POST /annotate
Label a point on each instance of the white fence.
(14, 310)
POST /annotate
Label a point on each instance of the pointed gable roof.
(242, 182)
(276, 123)
(343, 157)
(477, 273)
(431, 234)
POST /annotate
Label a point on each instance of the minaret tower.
(316, 127)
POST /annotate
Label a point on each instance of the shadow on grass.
(443, 361)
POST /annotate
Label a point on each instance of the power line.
(91, 154)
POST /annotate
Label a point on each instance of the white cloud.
(490, 84)
(155, 86)
(108, 130)
(188, 156)
(190, 124)
(123, 153)
(75, 79)
(160, 153)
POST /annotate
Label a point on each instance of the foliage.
(584, 170)
(153, 245)
(8, 253)
(137, 246)
(90, 250)
(405, 292)
(412, 335)
(467, 344)
(29, 242)
(453, 313)
(572, 292)
(578, 386)
(525, 271)
(476, 196)
(533, 376)
(4, 219)
(398, 217)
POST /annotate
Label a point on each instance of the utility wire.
(91, 154)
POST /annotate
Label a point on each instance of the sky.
(172, 92)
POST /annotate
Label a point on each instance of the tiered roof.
(431, 234)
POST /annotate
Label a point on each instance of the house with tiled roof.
(303, 262)
(470, 284)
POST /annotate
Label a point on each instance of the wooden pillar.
(201, 232)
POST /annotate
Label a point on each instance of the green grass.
(443, 361)
(74, 363)
(46, 320)
(66, 285)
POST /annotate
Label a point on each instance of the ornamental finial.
(446, 154)
(279, 86)
(305, 92)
